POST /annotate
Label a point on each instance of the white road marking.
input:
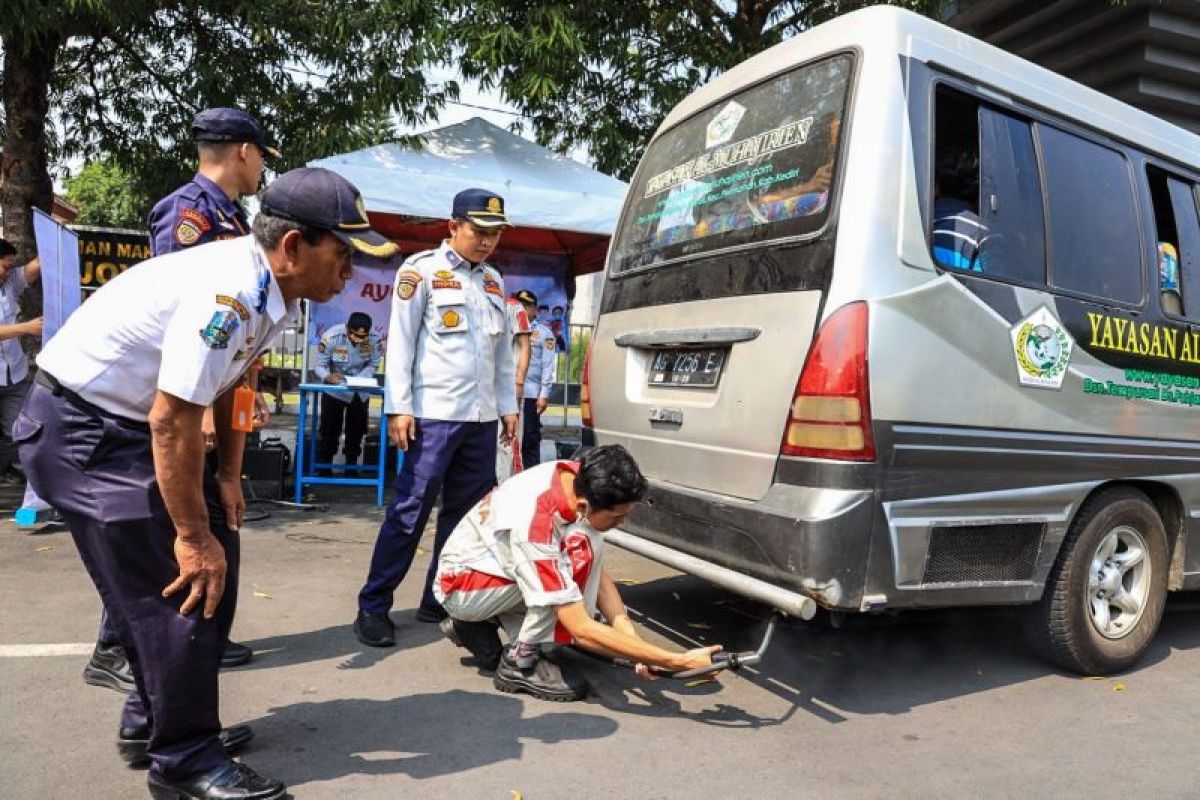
(38, 650)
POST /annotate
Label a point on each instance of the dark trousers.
(531, 435)
(333, 411)
(459, 460)
(11, 398)
(96, 469)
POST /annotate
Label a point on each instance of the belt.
(55, 386)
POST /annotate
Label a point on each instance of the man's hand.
(208, 429)
(509, 431)
(262, 412)
(33, 327)
(201, 567)
(232, 501)
(542, 403)
(700, 657)
(402, 430)
(335, 378)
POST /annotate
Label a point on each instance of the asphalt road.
(947, 704)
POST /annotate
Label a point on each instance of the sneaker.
(482, 639)
(108, 667)
(538, 676)
(375, 630)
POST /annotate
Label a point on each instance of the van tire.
(1064, 627)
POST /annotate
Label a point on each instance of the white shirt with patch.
(526, 531)
(448, 353)
(188, 323)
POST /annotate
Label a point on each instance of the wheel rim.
(1118, 582)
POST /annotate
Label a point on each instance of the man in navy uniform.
(231, 150)
(110, 436)
(350, 349)
(449, 375)
(539, 379)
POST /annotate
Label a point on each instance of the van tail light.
(830, 415)
(585, 389)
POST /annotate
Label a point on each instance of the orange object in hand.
(243, 409)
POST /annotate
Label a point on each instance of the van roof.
(889, 30)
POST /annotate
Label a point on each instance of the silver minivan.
(894, 319)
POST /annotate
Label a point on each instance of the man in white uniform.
(530, 557)
(14, 371)
(110, 434)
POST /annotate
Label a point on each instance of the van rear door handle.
(688, 337)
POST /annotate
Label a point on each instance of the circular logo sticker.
(186, 233)
(450, 319)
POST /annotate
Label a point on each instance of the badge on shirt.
(446, 284)
(492, 287)
(406, 283)
(320, 347)
(341, 354)
(444, 274)
(236, 305)
(220, 329)
(191, 226)
(451, 319)
(550, 344)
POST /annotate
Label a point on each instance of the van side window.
(1186, 284)
(987, 211)
(1094, 245)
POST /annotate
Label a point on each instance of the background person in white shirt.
(449, 376)
(110, 435)
(14, 372)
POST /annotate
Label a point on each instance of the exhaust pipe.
(791, 603)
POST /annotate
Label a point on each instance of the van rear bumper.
(806, 540)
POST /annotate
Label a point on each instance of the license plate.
(687, 367)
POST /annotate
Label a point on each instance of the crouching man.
(529, 557)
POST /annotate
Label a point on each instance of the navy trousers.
(459, 460)
(531, 435)
(97, 470)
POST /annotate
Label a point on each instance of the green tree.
(123, 78)
(104, 193)
(604, 74)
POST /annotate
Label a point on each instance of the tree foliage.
(126, 77)
(105, 196)
(602, 75)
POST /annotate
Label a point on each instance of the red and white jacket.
(525, 532)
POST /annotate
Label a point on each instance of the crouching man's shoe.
(233, 782)
(108, 667)
(132, 743)
(523, 669)
(482, 639)
(375, 630)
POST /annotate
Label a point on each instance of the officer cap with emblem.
(527, 297)
(484, 208)
(229, 125)
(321, 198)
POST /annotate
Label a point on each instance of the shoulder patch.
(407, 282)
(492, 286)
(320, 347)
(217, 333)
(236, 305)
(191, 226)
(550, 344)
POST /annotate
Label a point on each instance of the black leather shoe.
(109, 668)
(482, 639)
(431, 614)
(132, 743)
(235, 655)
(375, 630)
(233, 782)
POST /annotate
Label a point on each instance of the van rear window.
(756, 166)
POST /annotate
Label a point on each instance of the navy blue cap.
(323, 199)
(527, 297)
(229, 125)
(484, 208)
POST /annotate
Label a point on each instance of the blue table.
(306, 439)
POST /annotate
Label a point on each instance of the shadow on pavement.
(422, 736)
(337, 641)
(870, 665)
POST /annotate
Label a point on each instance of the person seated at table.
(352, 349)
